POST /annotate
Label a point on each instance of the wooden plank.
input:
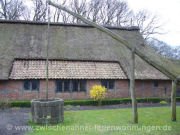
(47, 53)
(173, 100)
(132, 88)
(117, 37)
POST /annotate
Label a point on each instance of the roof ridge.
(131, 28)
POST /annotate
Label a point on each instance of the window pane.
(67, 85)
(59, 85)
(26, 85)
(156, 84)
(111, 84)
(83, 85)
(104, 83)
(35, 84)
(75, 85)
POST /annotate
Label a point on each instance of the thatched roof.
(60, 69)
(81, 42)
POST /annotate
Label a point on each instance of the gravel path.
(10, 118)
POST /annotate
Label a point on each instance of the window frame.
(107, 83)
(30, 83)
(79, 84)
(155, 84)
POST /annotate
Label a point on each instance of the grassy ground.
(115, 122)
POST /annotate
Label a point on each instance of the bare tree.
(59, 15)
(78, 6)
(116, 13)
(149, 24)
(123, 14)
(11, 9)
(103, 12)
(39, 10)
(94, 10)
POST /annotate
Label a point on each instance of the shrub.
(98, 93)
(86, 102)
(4, 104)
(20, 103)
(163, 102)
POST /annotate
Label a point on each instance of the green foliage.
(20, 103)
(87, 102)
(163, 102)
(5, 104)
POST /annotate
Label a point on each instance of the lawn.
(152, 121)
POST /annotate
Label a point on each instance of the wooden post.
(132, 88)
(117, 37)
(47, 53)
(173, 100)
(149, 60)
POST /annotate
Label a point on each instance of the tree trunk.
(173, 101)
(132, 89)
(99, 102)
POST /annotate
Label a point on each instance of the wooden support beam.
(142, 55)
(132, 88)
(173, 100)
(117, 37)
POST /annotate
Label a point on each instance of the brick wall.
(13, 89)
(145, 88)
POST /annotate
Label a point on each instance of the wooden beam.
(132, 88)
(173, 100)
(117, 37)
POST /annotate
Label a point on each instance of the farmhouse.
(80, 56)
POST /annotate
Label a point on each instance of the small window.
(75, 85)
(82, 85)
(109, 84)
(26, 85)
(67, 86)
(32, 85)
(156, 84)
(104, 83)
(59, 86)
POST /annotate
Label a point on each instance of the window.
(156, 84)
(70, 85)
(104, 83)
(75, 85)
(109, 84)
(82, 84)
(59, 86)
(32, 85)
(67, 85)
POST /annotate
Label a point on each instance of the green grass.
(121, 118)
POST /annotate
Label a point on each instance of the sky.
(169, 13)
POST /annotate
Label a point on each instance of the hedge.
(92, 102)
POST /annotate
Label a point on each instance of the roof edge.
(132, 28)
(66, 59)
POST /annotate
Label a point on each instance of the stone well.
(49, 111)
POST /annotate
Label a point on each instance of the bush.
(20, 103)
(5, 104)
(98, 93)
(91, 102)
(163, 102)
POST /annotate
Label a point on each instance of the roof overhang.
(58, 69)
